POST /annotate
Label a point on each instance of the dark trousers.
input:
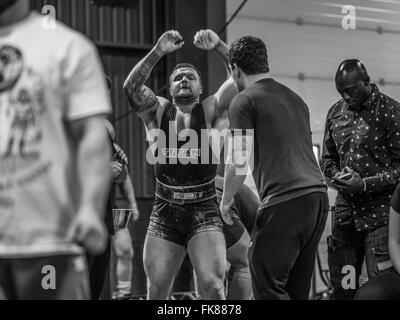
(384, 287)
(58, 277)
(98, 271)
(285, 240)
(347, 248)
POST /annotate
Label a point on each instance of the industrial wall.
(123, 35)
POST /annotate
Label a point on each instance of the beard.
(6, 4)
(185, 98)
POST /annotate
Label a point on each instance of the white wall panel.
(316, 51)
(369, 13)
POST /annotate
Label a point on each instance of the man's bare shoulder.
(209, 103)
(209, 108)
(163, 101)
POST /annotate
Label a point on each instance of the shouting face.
(185, 84)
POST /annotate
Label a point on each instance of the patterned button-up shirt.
(368, 141)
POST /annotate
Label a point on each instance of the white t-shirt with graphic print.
(48, 78)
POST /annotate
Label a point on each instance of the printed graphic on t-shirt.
(22, 107)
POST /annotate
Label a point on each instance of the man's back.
(284, 163)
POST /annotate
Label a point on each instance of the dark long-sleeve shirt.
(368, 141)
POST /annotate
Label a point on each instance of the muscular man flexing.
(185, 215)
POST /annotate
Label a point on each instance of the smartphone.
(346, 176)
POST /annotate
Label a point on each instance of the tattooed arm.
(209, 40)
(217, 104)
(141, 98)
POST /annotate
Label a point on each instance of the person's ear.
(201, 89)
(230, 68)
(238, 71)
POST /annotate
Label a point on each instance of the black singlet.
(171, 168)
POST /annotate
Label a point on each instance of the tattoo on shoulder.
(145, 100)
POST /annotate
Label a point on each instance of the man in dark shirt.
(361, 145)
(294, 202)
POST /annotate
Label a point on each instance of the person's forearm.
(141, 97)
(141, 72)
(222, 50)
(385, 179)
(232, 183)
(330, 162)
(330, 159)
(237, 164)
(93, 158)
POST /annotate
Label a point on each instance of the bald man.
(361, 160)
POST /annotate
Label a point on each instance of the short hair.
(351, 65)
(186, 65)
(250, 55)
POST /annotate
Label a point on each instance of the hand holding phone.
(346, 176)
